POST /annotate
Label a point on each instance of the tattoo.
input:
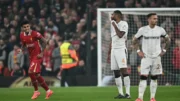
(43, 43)
(136, 43)
(118, 32)
(167, 42)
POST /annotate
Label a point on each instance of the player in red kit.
(35, 43)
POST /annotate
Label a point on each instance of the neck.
(118, 20)
(152, 26)
(26, 33)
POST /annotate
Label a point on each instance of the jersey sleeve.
(38, 35)
(71, 47)
(72, 52)
(163, 32)
(123, 27)
(139, 33)
(21, 39)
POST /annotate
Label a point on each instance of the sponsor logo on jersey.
(151, 37)
(30, 45)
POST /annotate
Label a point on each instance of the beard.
(112, 18)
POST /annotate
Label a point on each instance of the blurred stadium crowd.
(56, 19)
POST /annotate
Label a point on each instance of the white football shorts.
(118, 59)
(151, 65)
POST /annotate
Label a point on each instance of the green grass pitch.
(164, 93)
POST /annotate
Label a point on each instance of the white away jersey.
(116, 41)
(151, 40)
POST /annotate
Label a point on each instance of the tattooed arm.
(137, 46)
(43, 43)
(136, 42)
(166, 41)
(167, 44)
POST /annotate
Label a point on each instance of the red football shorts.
(35, 66)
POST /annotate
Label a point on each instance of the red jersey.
(31, 41)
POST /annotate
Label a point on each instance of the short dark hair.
(24, 22)
(118, 12)
(151, 14)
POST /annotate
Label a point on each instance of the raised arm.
(120, 31)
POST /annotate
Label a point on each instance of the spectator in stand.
(167, 23)
(56, 58)
(47, 63)
(52, 26)
(6, 24)
(15, 57)
(17, 70)
(176, 61)
(81, 55)
(3, 70)
(176, 56)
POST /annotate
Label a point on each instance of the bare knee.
(117, 73)
(124, 72)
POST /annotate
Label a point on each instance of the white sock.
(142, 88)
(127, 84)
(48, 90)
(119, 85)
(153, 87)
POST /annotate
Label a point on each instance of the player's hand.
(40, 55)
(162, 53)
(113, 23)
(81, 63)
(141, 54)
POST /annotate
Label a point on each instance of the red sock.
(42, 82)
(34, 81)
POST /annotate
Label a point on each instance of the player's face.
(113, 16)
(153, 20)
(26, 28)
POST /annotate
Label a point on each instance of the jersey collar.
(151, 28)
(28, 33)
